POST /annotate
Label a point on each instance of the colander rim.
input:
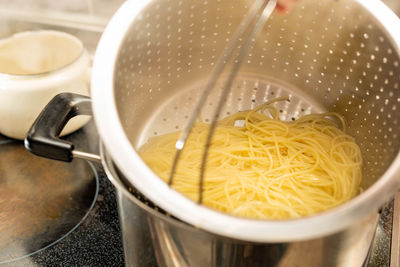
(131, 165)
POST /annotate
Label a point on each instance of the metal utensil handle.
(261, 20)
(258, 15)
(221, 63)
(43, 138)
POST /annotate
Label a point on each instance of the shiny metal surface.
(152, 238)
(395, 244)
(86, 155)
(340, 56)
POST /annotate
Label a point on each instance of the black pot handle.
(43, 138)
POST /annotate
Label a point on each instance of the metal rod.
(266, 13)
(222, 61)
(86, 155)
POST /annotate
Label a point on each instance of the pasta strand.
(268, 168)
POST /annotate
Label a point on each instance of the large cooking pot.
(149, 69)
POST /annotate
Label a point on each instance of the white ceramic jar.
(34, 67)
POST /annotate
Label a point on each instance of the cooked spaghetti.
(267, 168)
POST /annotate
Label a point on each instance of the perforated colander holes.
(174, 115)
(246, 95)
(274, 47)
(321, 45)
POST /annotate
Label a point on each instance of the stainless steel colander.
(343, 56)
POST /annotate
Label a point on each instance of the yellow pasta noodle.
(267, 168)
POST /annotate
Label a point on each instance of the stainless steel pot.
(150, 66)
(151, 237)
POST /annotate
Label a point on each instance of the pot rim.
(141, 176)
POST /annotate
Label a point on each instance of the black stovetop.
(97, 239)
(96, 242)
